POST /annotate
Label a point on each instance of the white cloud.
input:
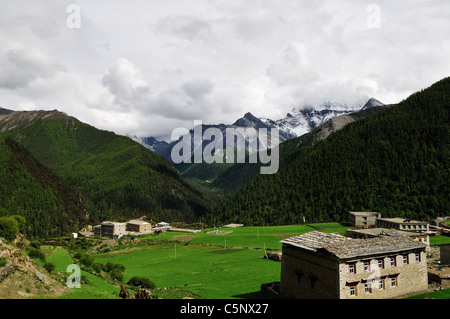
(147, 67)
(19, 67)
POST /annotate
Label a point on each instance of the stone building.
(139, 226)
(363, 219)
(110, 230)
(403, 224)
(330, 266)
(383, 232)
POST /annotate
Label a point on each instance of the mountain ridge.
(394, 162)
(294, 124)
(118, 177)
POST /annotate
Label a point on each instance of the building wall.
(331, 279)
(403, 226)
(411, 277)
(445, 254)
(308, 275)
(362, 221)
(146, 228)
(115, 230)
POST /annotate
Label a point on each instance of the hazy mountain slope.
(119, 177)
(30, 189)
(395, 162)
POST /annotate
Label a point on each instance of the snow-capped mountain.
(302, 121)
(150, 142)
(296, 123)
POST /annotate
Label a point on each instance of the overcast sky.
(145, 67)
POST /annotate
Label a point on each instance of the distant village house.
(162, 226)
(139, 226)
(110, 230)
(363, 219)
(403, 224)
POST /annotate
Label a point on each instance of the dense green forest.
(395, 161)
(118, 178)
(31, 190)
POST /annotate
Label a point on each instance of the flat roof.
(385, 231)
(112, 223)
(365, 213)
(346, 248)
(138, 222)
(399, 220)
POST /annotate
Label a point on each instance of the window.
(299, 274)
(368, 288)
(381, 284)
(313, 280)
(367, 266)
(380, 263)
(393, 262)
(418, 257)
(394, 282)
(353, 291)
(405, 259)
(352, 268)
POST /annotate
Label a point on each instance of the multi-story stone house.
(403, 224)
(330, 266)
(110, 230)
(363, 219)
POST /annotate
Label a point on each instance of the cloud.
(186, 27)
(20, 67)
(147, 67)
(125, 83)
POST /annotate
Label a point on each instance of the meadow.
(206, 265)
(203, 265)
(212, 266)
(92, 287)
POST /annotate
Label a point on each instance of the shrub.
(116, 274)
(36, 244)
(141, 282)
(9, 227)
(21, 223)
(49, 266)
(3, 261)
(109, 266)
(97, 267)
(86, 260)
(36, 254)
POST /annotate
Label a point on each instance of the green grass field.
(439, 240)
(210, 273)
(96, 288)
(211, 266)
(441, 294)
(251, 237)
(203, 265)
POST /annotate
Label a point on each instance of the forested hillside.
(238, 175)
(118, 178)
(395, 161)
(31, 190)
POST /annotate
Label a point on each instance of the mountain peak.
(373, 102)
(248, 120)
